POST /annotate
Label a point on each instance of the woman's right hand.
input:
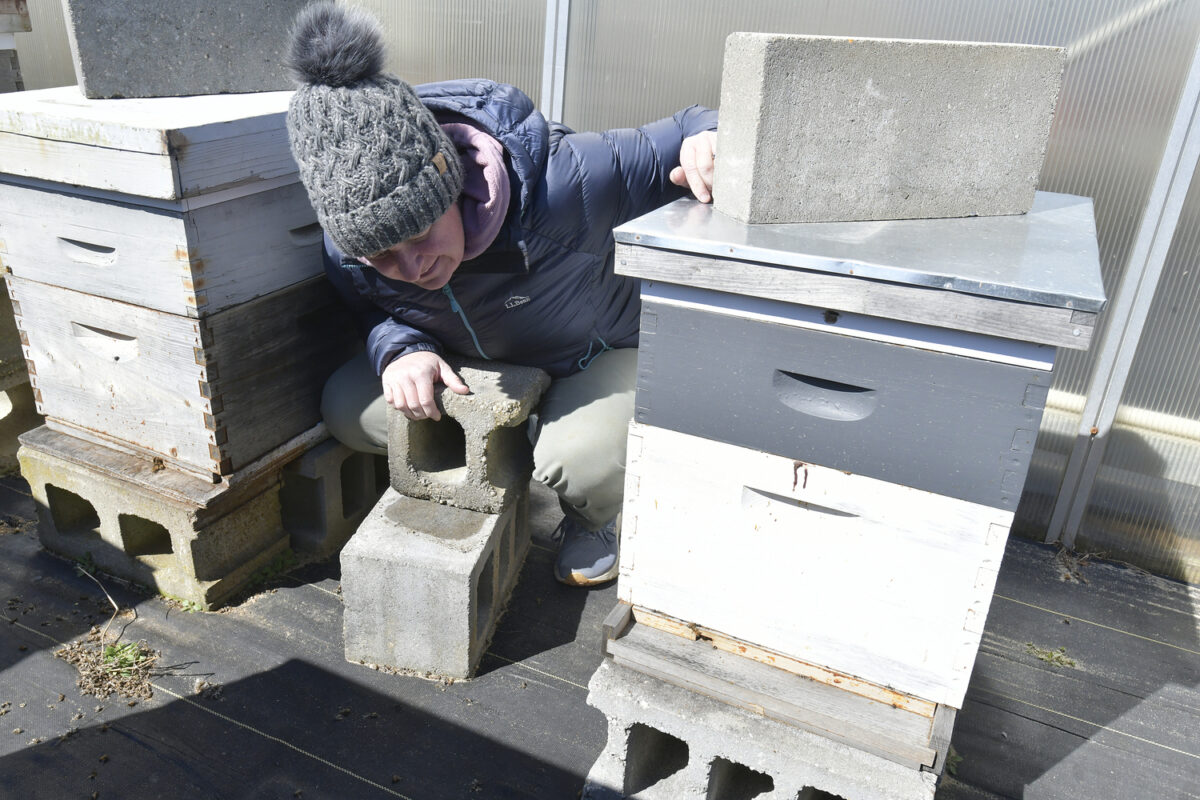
(409, 380)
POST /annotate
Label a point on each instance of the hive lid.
(1047, 257)
(162, 147)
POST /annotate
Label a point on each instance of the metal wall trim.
(554, 60)
(1128, 314)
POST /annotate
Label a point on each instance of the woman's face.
(427, 259)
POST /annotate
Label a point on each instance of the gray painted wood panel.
(960, 427)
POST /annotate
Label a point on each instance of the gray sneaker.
(585, 557)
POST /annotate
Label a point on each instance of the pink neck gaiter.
(486, 191)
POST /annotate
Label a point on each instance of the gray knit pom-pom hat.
(377, 166)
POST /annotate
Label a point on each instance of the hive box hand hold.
(820, 129)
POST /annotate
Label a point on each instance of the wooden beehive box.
(167, 148)
(209, 395)
(833, 423)
(188, 205)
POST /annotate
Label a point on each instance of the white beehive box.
(167, 148)
(186, 205)
(209, 395)
(873, 579)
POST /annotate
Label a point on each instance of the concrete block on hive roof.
(820, 129)
(148, 48)
(478, 454)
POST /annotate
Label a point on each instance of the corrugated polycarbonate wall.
(44, 53)
(630, 62)
(428, 41)
(1145, 508)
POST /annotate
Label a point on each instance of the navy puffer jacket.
(544, 293)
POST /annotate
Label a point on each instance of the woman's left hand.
(696, 158)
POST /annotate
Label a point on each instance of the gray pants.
(578, 435)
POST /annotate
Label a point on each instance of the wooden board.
(165, 147)
(875, 727)
(188, 262)
(1115, 713)
(1061, 327)
(876, 580)
(813, 672)
(212, 394)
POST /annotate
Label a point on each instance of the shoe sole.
(579, 579)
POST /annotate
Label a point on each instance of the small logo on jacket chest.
(516, 300)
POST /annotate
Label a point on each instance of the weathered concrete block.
(478, 454)
(155, 526)
(665, 742)
(424, 584)
(10, 72)
(148, 48)
(326, 493)
(817, 129)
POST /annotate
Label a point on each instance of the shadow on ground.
(294, 731)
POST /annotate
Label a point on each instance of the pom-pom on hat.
(377, 166)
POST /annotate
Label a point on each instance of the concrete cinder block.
(424, 584)
(666, 742)
(148, 48)
(818, 129)
(478, 454)
(326, 493)
(10, 72)
(152, 525)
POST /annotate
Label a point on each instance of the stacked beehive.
(164, 268)
(817, 505)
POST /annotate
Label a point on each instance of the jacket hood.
(505, 112)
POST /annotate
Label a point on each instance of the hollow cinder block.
(147, 48)
(10, 72)
(478, 455)
(817, 129)
(326, 493)
(424, 584)
(666, 742)
(152, 525)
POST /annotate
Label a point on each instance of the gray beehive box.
(818, 129)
